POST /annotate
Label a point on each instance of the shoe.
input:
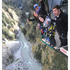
(57, 47)
(65, 46)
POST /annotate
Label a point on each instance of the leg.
(63, 41)
(52, 41)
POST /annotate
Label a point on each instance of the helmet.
(36, 5)
(47, 22)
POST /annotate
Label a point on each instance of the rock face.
(7, 57)
(17, 2)
(7, 52)
(21, 4)
(17, 65)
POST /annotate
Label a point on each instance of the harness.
(50, 30)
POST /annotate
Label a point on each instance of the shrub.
(5, 19)
(32, 37)
(11, 14)
(9, 26)
(3, 36)
(7, 35)
(37, 55)
(3, 23)
(24, 31)
(4, 6)
(43, 47)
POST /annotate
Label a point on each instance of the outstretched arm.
(33, 19)
(42, 4)
(30, 19)
(53, 20)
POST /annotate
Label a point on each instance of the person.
(35, 17)
(49, 29)
(46, 27)
(40, 10)
(61, 20)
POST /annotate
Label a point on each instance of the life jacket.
(51, 30)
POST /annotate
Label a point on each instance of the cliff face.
(10, 21)
(21, 4)
(8, 50)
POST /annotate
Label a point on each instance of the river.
(24, 56)
(27, 54)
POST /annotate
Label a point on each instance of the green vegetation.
(37, 55)
(4, 6)
(6, 34)
(8, 22)
(23, 29)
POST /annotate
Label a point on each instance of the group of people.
(47, 25)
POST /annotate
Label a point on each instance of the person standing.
(61, 20)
